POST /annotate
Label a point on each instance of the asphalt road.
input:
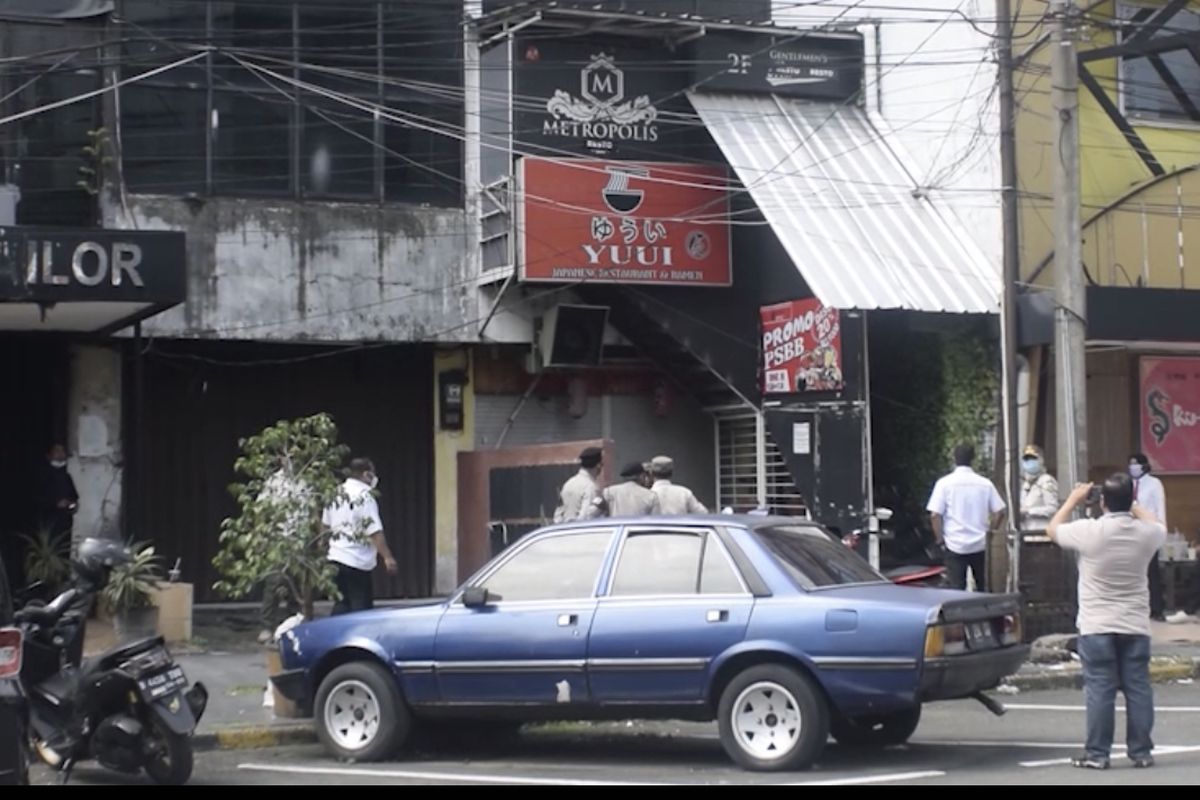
(957, 743)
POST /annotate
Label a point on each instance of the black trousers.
(355, 587)
(1158, 601)
(956, 567)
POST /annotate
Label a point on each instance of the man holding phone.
(1114, 614)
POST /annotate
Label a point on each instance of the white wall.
(94, 420)
(934, 89)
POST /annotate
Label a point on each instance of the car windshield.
(814, 559)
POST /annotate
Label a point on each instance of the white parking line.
(458, 777)
(1158, 751)
(894, 777)
(1081, 709)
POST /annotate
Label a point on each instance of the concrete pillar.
(94, 431)
(446, 447)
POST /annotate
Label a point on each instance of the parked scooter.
(922, 569)
(130, 708)
(14, 710)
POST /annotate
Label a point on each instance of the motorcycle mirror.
(884, 514)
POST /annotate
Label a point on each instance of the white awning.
(845, 207)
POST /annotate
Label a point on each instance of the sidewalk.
(228, 661)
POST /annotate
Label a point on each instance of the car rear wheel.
(360, 715)
(772, 718)
(879, 730)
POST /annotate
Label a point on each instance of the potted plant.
(129, 594)
(47, 560)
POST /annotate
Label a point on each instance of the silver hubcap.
(766, 721)
(352, 715)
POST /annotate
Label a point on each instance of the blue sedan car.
(768, 625)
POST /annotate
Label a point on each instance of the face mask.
(1136, 470)
(1032, 466)
(374, 481)
(58, 464)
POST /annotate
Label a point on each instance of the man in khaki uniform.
(631, 498)
(580, 497)
(673, 500)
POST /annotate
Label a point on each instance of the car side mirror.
(475, 597)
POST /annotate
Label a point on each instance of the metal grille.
(737, 468)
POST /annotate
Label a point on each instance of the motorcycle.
(14, 710)
(130, 708)
(911, 568)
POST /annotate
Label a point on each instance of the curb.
(1161, 671)
(255, 737)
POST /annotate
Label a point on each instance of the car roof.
(751, 521)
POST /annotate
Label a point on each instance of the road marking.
(894, 777)
(1158, 751)
(456, 777)
(1157, 709)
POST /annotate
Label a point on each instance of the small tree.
(291, 471)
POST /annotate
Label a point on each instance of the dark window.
(814, 559)
(558, 568)
(253, 144)
(260, 33)
(1149, 89)
(338, 152)
(163, 140)
(658, 563)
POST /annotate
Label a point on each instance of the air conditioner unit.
(572, 336)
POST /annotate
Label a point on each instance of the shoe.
(1158, 618)
(1088, 762)
(264, 637)
(1179, 617)
(1142, 762)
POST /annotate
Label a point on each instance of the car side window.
(717, 575)
(658, 562)
(556, 568)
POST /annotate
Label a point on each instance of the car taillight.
(1010, 632)
(10, 652)
(945, 640)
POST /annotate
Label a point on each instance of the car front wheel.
(877, 731)
(773, 718)
(360, 715)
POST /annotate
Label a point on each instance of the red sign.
(802, 348)
(1170, 401)
(623, 222)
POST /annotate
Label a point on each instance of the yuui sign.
(1170, 413)
(802, 347)
(623, 222)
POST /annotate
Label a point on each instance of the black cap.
(591, 457)
(633, 469)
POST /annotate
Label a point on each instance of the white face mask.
(58, 464)
(374, 481)
(1136, 471)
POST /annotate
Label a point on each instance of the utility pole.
(1012, 269)
(1070, 315)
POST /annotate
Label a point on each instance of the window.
(673, 563)
(814, 559)
(258, 134)
(558, 568)
(1162, 85)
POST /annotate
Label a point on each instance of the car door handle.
(567, 620)
(717, 615)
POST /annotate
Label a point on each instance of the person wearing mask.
(1039, 491)
(580, 497)
(57, 498)
(1114, 605)
(964, 506)
(1148, 493)
(356, 538)
(631, 498)
(673, 499)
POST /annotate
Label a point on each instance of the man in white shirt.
(673, 499)
(356, 538)
(964, 507)
(580, 497)
(1114, 605)
(1148, 493)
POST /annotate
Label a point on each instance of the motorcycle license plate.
(162, 684)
